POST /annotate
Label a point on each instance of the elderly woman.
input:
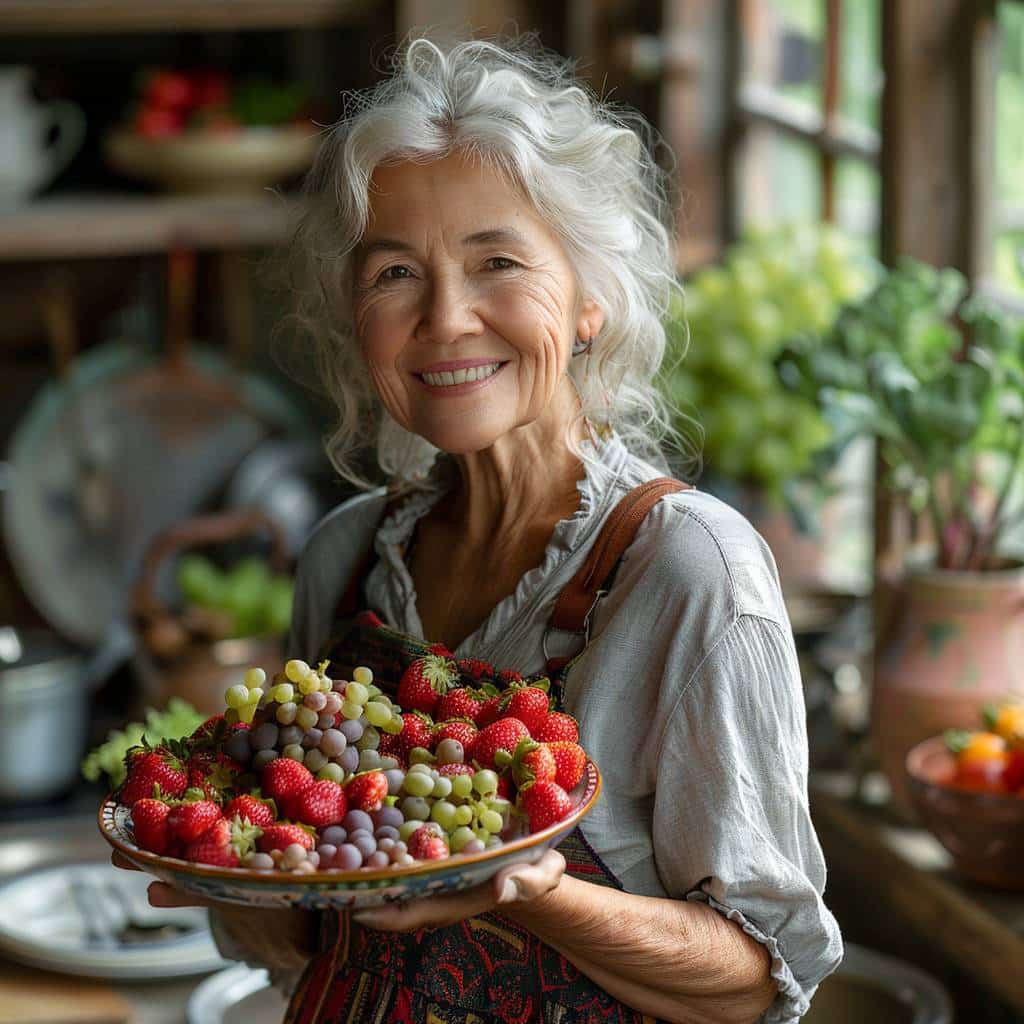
(489, 266)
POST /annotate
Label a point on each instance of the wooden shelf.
(101, 17)
(82, 227)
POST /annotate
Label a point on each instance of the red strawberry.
(284, 833)
(207, 728)
(530, 762)
(1013, 773)
(188, 821)
(369, 620)
(461, 702)
(557, 727)
(570, 762)
(149, 823)
(505, 786)
(157, 767)
(456, 768)
(457, 729)
(507, 677)
(416, 732)
(488, 713)
(440, 650)
(545, 803)
(425, 681)
(283, 780)
(527, 703)
(322, 804)
(223, 844)
(391, 746)
(366, 791)
(474, 670)
(426, 844)
(212, 772)
(251, 809)
(504, 734)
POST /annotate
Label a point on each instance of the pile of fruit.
(304, 773)
(991, 760)
(208, 101)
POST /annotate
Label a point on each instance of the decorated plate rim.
(360, 877)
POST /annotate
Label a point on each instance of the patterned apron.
(486, 969)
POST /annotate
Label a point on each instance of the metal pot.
(45, 689)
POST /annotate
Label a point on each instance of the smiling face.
(465, 304)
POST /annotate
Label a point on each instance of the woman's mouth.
(459, 380)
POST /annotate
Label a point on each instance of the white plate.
(74, 918)
(239, 995)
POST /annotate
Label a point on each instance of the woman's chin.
(461, 440)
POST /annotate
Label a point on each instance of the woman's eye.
(395, 273)
(501, 263)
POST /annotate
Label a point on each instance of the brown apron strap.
(580, 594)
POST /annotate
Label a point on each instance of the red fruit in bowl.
(570, 762)
(283, 780)
(461, 702)
(1013, 773)
(456, 768)
(321, 804)
(209, 88)
(157, 123)
(557, 727)
(545, 803)
(463, 731)
(212, 772)
(475, 670)
(188, 821)
(417, 731)
(504, 734)
(488, 712)
(366, 792)
(277, 837)
(425, 682)
(426, 844)
(251, 809)
(530, 762)
(168, 90)
(149, 768)
(214, 847)
(527, 703)
(149, 825)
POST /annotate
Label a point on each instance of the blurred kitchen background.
(160, 455)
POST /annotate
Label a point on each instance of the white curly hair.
(587, 167)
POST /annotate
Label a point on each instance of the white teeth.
(447, 378)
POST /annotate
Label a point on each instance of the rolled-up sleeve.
(732, 826)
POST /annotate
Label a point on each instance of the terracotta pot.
(954, 641)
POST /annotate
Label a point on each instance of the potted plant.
(938, 379)
(763, 447)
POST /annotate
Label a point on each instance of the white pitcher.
(37, 140)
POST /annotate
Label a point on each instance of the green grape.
(485, 782)
(491, 821)
(356, 693)
(236, 696)
(443, 812)
(296, 670)
(377, 714)
(363, 675)
(283, 693)
(460, 837)
(462, 786)
(418, 784)
(463, 814)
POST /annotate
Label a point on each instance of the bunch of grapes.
(332, 727)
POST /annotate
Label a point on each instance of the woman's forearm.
(677, 960)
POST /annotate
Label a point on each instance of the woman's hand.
(515, 884)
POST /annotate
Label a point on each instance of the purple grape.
(388, 816)
(395, 777)
(365, 844)
(334, 835)
(333, 742)
(262, 759)
(237, 745)
(353, 730)
(357, 832)
(386, 832)
(473, 846)
(289, 734)
(377, 859)
(348, 857)
(263, 737)
(312, 738)
(327, 852)
(326, 720)
(385, 844)
(314, 858)
(315, 701)
(356, 819)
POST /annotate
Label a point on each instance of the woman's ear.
(590, 320)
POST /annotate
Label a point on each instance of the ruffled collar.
(391, 576)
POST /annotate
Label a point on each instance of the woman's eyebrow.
(491, 235)
(383, 245)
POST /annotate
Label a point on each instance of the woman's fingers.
(516, 883)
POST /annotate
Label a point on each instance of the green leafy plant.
(938, 379)
(178, 720)
(720, 367)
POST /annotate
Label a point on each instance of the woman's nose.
(448, 313)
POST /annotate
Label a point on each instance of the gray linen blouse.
(688, 696)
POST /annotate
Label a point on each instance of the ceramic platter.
(344, 889)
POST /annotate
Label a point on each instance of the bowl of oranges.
(967, 788)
